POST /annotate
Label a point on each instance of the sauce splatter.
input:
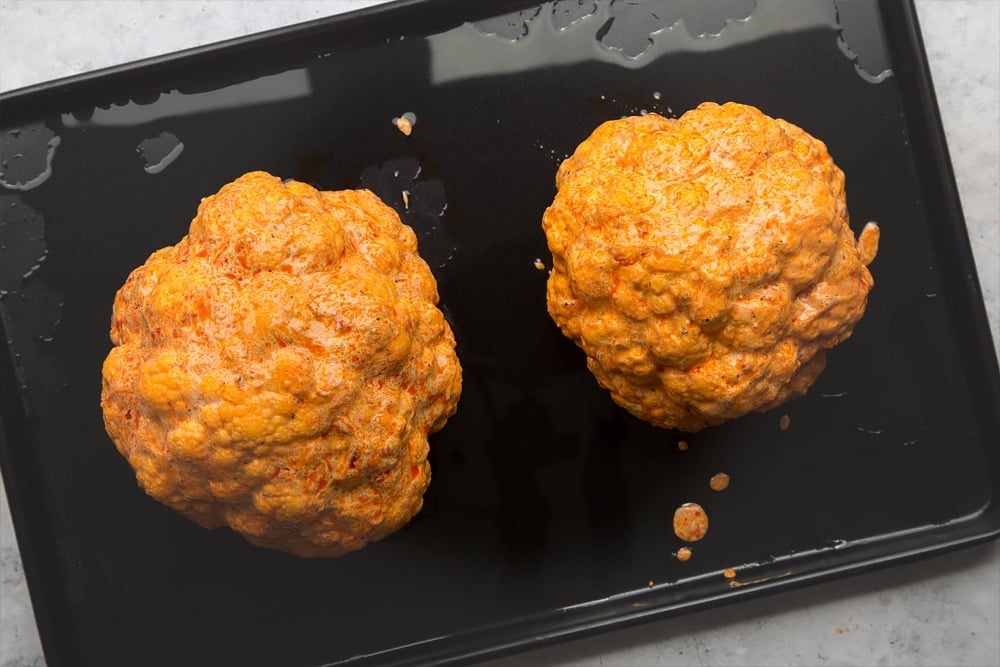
(682, 445)
(405, 122)
(690, 522)
(539, 264)
(730, 573)
(784, 422)
(683, 554)
(719, 481)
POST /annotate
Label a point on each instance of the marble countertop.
(940, 611)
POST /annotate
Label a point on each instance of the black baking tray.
(549, 511)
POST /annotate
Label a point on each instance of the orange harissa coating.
(280, 368)
(704, 264)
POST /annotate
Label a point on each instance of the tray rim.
(343, 29)
(614, 612)
(623, 613)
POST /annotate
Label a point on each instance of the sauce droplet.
(539, 264)
(719, 481)
(159, 152)
(683, 554)
(682, 445)
(405, 122)
(730, 573)
(508, 27)
(784, 422)
(690, 522)
(26, 157)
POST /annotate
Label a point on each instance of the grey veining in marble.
(940, 611)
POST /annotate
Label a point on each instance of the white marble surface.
(942, 611)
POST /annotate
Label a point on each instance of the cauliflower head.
(280, 368)
(704, 264)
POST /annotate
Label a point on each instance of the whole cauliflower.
(704, 264)
(280, 368)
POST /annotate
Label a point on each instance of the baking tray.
(549, 511)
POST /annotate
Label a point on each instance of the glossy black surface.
(549, 510)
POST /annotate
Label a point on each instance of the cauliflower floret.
(280, 368)
(704, 264)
